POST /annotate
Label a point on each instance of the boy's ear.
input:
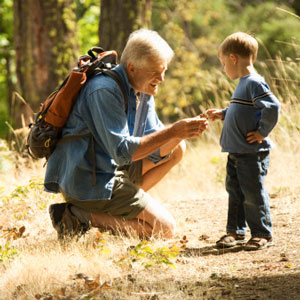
(234, 57)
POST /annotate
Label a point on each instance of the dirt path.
(195, 196)
(272, 273)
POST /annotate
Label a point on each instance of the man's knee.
(165, 226)
(161, 221)
(178, 152)
(168, 229)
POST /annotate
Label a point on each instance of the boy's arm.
(215, 114)
(254, 136)
(269, 107)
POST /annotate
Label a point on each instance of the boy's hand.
(254, 136)
(215, 114)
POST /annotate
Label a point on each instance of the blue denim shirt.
(100, 110)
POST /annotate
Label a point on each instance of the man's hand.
(190, 128)
(215, 114)
(180, 130)
(254, 136)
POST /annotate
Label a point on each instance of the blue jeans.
(248, 199)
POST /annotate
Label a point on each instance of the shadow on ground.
(211, 250)
(279, 287)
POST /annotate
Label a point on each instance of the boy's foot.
(230, 240)
(258, 243)
(65, 222)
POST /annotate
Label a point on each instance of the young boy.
(252, 114)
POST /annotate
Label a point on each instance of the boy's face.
(229, 63)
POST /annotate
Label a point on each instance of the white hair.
(144, 45)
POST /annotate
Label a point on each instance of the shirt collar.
(129, 88)
(120, 70)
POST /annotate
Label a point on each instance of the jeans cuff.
(239, 231)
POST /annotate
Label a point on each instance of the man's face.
(147, 78)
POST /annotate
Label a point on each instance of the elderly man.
(131, 149)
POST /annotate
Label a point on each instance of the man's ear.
(234, 58)
(130, 68)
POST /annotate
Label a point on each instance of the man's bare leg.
(153, 173)
(153, 221)
(134, 226)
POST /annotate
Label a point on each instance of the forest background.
(41, 40)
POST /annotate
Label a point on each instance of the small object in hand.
(204, 115)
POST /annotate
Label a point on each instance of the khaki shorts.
(127, 200)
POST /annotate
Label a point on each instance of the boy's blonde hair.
(144, 45)
(240, 43)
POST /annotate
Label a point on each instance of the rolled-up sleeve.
(153, 124)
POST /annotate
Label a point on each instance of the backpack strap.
(65, 139)
(116, 77)
(71, 138)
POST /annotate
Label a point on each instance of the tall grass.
(193, 191)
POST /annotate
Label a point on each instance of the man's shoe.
(65, 222)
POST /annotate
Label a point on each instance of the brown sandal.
(258, 243)
(230, 240)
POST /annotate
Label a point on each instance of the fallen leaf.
(92, 284)
(80, 276)
(284, 259)
(105, 286)
(21, 230)
(203, 237)
(61, 291)
(288, 266)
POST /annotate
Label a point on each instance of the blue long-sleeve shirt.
(252, 107)
(99, 110)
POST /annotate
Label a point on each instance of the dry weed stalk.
(194, 192)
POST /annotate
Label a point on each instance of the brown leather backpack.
(44, 133)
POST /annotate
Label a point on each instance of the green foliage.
(7, 250)
(7, 253)
(88, 14)
(6, 160)
(149, 256)
(20, 191)
(19, 209)
(6, 52)
(195, 29)
(100, 242)
(272, 27)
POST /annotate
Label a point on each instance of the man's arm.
(169, 146)
(170, 136)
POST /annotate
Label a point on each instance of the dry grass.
(194, 193)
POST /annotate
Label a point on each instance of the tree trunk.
(45, 46)
(296, 6)
(119, 18)
(9, 83)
